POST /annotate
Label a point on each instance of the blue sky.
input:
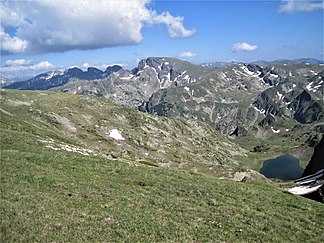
(42, 35)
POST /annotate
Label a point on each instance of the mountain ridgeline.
(262, 98)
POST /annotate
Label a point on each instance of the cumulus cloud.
(21, 68)
(47, 26)
(174, 24)
(11, 44)
(292, 6)
(244, 47)
(187, 54)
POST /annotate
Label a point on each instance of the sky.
(43, 35)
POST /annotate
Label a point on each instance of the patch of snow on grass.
(274, 130)
(115, 134)
(187, 88)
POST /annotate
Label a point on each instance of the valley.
(144, 155)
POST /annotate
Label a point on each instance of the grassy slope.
(85, 122)
(51, 195)
(56, 196)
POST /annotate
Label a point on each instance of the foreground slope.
(73, 194)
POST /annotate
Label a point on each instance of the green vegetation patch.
(59, 196)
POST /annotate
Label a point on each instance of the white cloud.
(41, 66)
(85, 65)
(17, 62)
(61, 25)
(187, 54)
(174, 24)
(292, 6)
(243, 46)
(11, 44)
(20, 69)
(101, 66)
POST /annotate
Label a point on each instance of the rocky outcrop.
(317, 161)
(306, 109)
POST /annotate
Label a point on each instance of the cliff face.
(317, 161)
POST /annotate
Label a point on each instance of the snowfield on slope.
(115, 134)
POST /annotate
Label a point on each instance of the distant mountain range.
(53, 79)
(5, 82)
(221, 64)
(234, 98)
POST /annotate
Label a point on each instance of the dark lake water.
(285, 167)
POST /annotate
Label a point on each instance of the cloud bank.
(61, 25)
(244, 47)
(292, 6)
(13, 68)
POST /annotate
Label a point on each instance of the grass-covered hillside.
(64, 179)
(83, 124)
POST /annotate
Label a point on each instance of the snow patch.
(274, 130)
(274, 75)
(313, 72)
(260, 111)
(313, 89)
(115, 134)
(187, 89)
(187, 77)
(247, 71)
(279, 95)
(309, 86)
(127, 78)
(302, 190)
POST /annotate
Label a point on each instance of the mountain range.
(169, 150)
(238, 98)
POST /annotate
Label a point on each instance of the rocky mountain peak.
(111, 69)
